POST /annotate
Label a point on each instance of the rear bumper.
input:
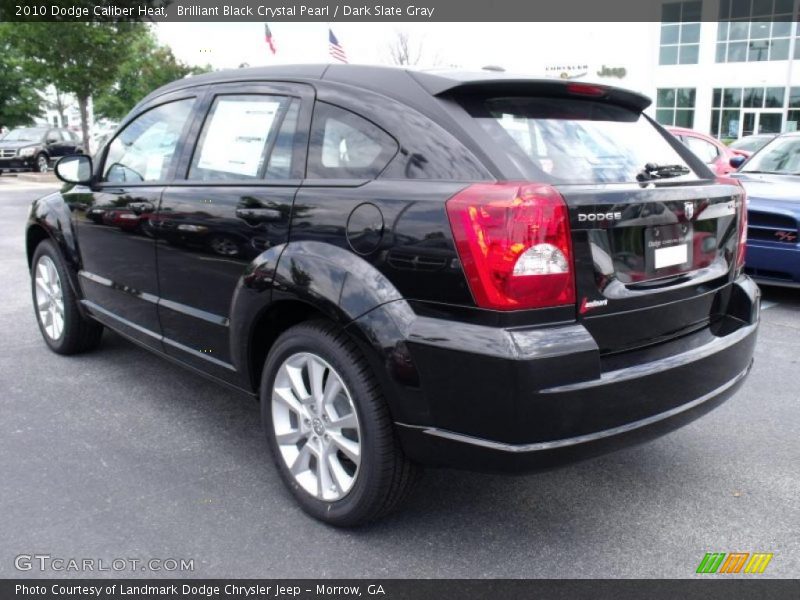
(511, 400)
(774, 263)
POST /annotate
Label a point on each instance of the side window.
(144, 150)
(346, 146)
(237, 137)
(706, 151)
(54, 135)
(280, 160)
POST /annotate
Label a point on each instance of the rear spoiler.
(494, 84)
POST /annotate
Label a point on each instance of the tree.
(77, 58)
(148, 66)
(405, 50)
(19, 101)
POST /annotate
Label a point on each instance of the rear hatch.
(655, 237)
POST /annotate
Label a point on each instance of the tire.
(76, 333)
(383, 476)
(41, 164)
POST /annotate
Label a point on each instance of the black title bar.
(711, 588)
(337, 10)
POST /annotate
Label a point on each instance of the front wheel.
(329, 429)
(63, 327)
(42, 163)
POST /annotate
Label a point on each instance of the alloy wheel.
(42, 163)
(316, 426)
(224, 246)
(49, 298)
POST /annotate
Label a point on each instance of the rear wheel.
(63, 327)
(329, 429)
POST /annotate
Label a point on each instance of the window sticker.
(237, 136)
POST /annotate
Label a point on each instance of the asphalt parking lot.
(120, 454)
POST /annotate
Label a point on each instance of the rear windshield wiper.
(654, 171)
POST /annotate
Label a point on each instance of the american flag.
(268, 38)
(335, 49)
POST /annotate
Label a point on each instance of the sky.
(523, 48)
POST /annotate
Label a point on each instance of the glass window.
(794, 97)
(732, 97)
(725, 124)
(671, 12)
(665, 116)
(680, 33)
(781, 29)
(688, 54)
(753, 97)
(706, 151)
(770, 122)
(145, 149)
(690, 33)
(792, 120)
(754, 30)
(779, 50)
(715, 123)
(668, 55)
(675, 106)
(684, 118)
(573, 141)
(344, 145)
(684, 97)
(737, 52)
(670, 34)
(280, 160)
(781, 155)
(758, 50)
(665, 97)
(237, 136)
(773, 97)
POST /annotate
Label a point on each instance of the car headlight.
(27, 151)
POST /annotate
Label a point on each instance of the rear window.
(572, 141)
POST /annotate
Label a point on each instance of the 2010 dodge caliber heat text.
(407, 268)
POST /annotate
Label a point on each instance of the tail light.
(514, 244)
(740, 256)
(741, 250)
(583, 89)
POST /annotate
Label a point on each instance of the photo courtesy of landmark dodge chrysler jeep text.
(407, 268)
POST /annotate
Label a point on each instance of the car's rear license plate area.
(668, 248)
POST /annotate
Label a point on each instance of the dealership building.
(725, 67)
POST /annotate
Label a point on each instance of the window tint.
(54, 135)
(344, 145)
(280, 159)
(781, 155)
(144, 150)
(237, 137)
(563, 140)
(706, 151)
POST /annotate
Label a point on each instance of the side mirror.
(737, 161)
(51, 140)
(75, 169)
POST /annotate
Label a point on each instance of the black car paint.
(466, 386)
(49, 144)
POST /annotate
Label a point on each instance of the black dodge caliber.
(407, 268)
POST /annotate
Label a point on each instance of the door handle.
(258, 214)
(141, 207)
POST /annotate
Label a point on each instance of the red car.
(712, 152)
